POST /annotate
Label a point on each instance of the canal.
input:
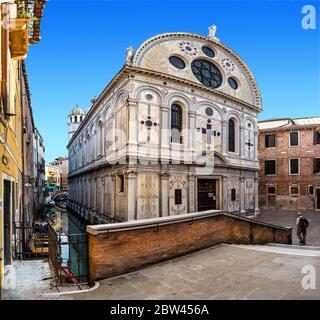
(71, 232)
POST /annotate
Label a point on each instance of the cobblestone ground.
(221, 272)
(288, 219)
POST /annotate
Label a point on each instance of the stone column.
(164, 194)
(88, 213)
(242, 141)
(192, 135)
(224, 136)
(256, 143)
(132, 130)
(256, 195)
(114, 129)
(131, 194)
(94, 200)
(165, 133)
(242, 193)
(103, 138)
(102, 195)
(225, 193)
(191, 193)
(113, 195)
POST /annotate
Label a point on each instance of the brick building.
(62, 164)
(289, 156)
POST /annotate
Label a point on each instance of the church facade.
(175, 131)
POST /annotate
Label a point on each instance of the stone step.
(293, 246)
(296, 251)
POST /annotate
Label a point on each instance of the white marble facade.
(123, 164)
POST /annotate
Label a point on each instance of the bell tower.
(75, 117)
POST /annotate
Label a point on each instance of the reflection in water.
(73, 243)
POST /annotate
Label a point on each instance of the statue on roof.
(129, 56)
(212, 32)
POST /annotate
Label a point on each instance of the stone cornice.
(290, 128)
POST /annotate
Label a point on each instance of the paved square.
(288, 219)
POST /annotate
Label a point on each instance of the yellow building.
(18, 29)
(53, 177)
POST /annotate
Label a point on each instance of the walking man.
(302, 225)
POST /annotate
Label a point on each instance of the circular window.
(208, 51)
(149, 97)
(207, 73)
(177, 62)
(233, 83)
(209, 112)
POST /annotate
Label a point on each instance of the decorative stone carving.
(165, 91)
(131, 87)
(129, 55)
(212, 32)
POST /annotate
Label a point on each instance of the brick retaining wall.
(123, 247)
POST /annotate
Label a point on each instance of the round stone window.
(208, 51)
(233, 83)
(149, 97)
(207, 73)
(209, 112)
(177, 62)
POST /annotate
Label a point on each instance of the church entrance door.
(207, 194)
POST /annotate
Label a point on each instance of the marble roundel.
(187, 48)
(227, 64)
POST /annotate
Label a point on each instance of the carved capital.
(131, 101)
(191, 176)
(164, 174)
(192, 113)
(164, 108)
(131, 174)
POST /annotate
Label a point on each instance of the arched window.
(75, 119)
(176, 123)
(232, 136)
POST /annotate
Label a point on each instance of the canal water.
(73, 239)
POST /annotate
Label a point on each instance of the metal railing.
(87, 212)
(30, 242)
(68, 256)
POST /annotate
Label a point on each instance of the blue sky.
(84, 44)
